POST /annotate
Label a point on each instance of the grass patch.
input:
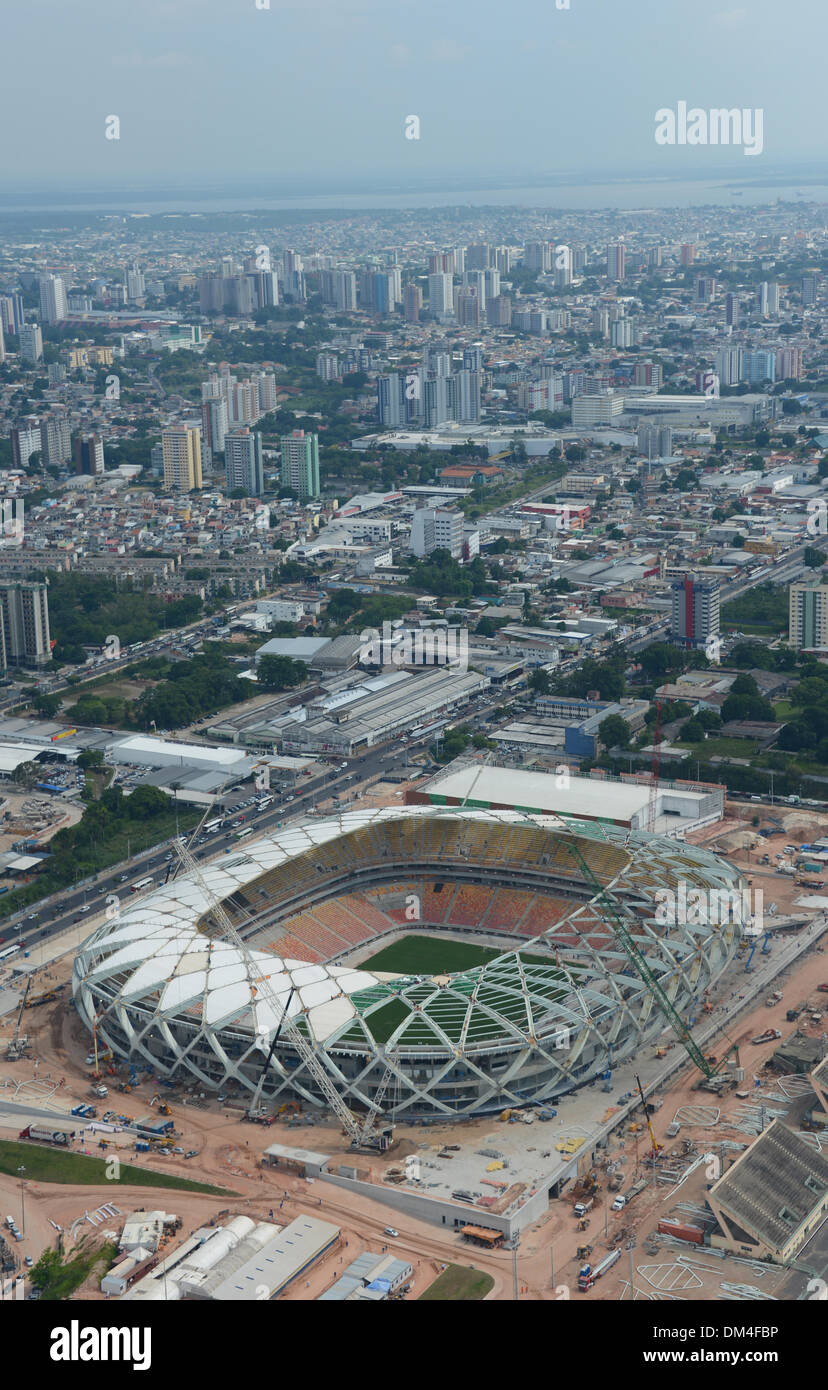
(458, 1284)
(54, 1165)
(722, 748)
(435, 955)
(58, 1277)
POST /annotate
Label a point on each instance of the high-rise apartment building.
(53, 305)
(25, 440)
(391, 401)
(412, 303)
(31, 342)
(789, 364)
(300, 464)
(695, 613)
(688, 253)
(55, 438)
(616, 258)
(214, 422)
(244, 461)
(469, 307)
(731, 310)
(440, 293)
(809, 288)
(728, 365)
(478, 256)
(24, 624)
(808, 616)
(182, 457)
(89, 454)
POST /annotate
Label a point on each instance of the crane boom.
(653, 1140)
(640, 965)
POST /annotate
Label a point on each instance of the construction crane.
(655, 767)
(359, 1132)
(656, 1146)
(617, 911)
(14, 1048)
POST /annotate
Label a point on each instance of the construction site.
(659, 1176)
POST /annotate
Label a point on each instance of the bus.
(141, 885)
(240, 834)
(213, 825)
(9, 951)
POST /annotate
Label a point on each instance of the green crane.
(639, 963)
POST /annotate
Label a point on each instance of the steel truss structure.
(528, 1026)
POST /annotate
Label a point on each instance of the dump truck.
(582, 1208)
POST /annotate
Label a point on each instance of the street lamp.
(21, 1169)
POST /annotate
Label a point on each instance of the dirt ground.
(229, 1153)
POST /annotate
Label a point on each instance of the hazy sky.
(218, 91)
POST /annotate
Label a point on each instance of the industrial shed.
(773, 1198)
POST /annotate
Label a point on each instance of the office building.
(243, 461)
(437, 528)
(24, 624)
(53, 305)
(182, 457)
(616, 256)
(89, 454)
(808, 615)
(31, 342)
(300, 464)
(695, 612)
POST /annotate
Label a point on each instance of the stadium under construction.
(576, 963)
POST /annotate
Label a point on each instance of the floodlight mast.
(358, 1132)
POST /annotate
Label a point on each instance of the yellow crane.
(655, 1143)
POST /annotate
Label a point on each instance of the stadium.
(469, 951)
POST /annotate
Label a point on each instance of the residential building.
(53, 305)
(24, 624)
(808, 615)
(89, 454)
(300, 464)
(31, 342)
(437, 528)
(695, 612)
(243, 461)
(182, 457)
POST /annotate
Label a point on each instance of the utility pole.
(632, 1274)
(514, 1275)
(552, 1265)
(22, 1201)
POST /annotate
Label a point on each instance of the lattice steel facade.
(169, 993)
